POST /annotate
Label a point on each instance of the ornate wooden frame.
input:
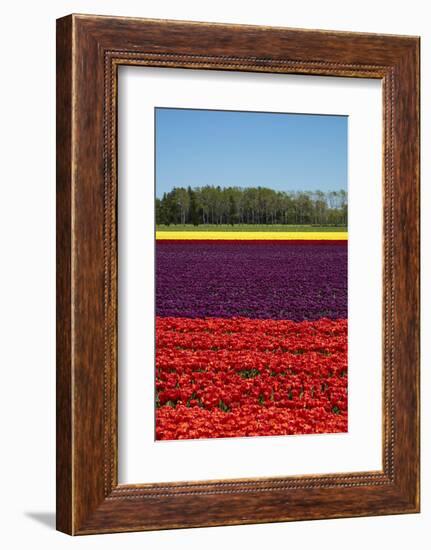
(89, 51)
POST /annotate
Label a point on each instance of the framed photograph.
(237, 274)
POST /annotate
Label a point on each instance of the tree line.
(250, 205)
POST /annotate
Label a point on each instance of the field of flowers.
(251, 338)
(266, 281)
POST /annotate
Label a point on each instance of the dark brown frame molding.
(89, 51)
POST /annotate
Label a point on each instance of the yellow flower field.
(252, 235)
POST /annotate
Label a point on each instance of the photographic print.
(225, 353)
(251, 274)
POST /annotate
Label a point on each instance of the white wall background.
(27, 289)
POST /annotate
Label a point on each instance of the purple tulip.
(274, 281)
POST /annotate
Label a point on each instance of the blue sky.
(286, 152)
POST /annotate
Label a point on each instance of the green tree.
(250, 205)
(232, 210)
(193, 209)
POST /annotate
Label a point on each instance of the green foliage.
(250, 373)
(193, 208)
(222, 406)
(251, 205)
(252, 227)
